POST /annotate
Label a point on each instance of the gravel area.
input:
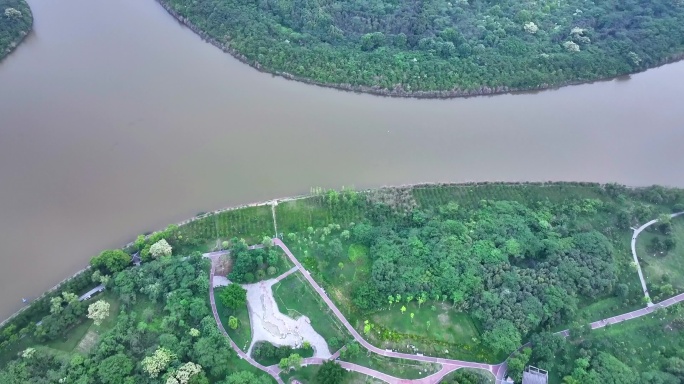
(268, 324)
(221, 281)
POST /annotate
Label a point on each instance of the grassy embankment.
(242, 336)
(667, 267)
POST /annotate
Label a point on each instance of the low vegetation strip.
(16, 21)
(440, 49)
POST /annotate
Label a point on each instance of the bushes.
(268, 354)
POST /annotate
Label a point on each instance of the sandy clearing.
(221, 281)
(268, 324)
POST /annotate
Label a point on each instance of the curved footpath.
(448, 365)
(637, 231)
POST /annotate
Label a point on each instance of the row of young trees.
(470, 46)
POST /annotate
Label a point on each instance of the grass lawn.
(295, 297)
(87, 329)
(441, 331)
(656, 266)
(306, 375)
(242, 336)
(401, 368)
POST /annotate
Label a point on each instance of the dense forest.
(443, 47)
(16, 21)
(156, 327)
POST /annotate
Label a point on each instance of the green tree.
(503, 337)
(111, 261)
(114, 369)
(330, 373)
(233, 322)
(292, 362)
(517, 363)
(233, 296)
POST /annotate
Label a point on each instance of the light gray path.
(274, 203)
(636, 233)
(90, 293)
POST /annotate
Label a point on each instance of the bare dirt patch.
(269, 324)
(87, 342)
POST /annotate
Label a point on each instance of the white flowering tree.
(160, 248)
(571, 46)
(56, 305)
(531, 27)
(158, 362)
(28, 353)
(98, 311)
(579, 34)
(12, 13)
(184, 373)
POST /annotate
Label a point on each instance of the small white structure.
(534, 375)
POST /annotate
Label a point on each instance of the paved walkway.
(90, 293)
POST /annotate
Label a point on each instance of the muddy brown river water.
(116, 120)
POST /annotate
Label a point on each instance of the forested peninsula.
(17, 21)
(470, 273)
(442, 48)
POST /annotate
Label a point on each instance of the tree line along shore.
(17, 21)
(441, 48)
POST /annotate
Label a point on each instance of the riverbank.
(15, 27)
(399, 91)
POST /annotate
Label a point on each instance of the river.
(116, 120)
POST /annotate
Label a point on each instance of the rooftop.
(534, 375)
